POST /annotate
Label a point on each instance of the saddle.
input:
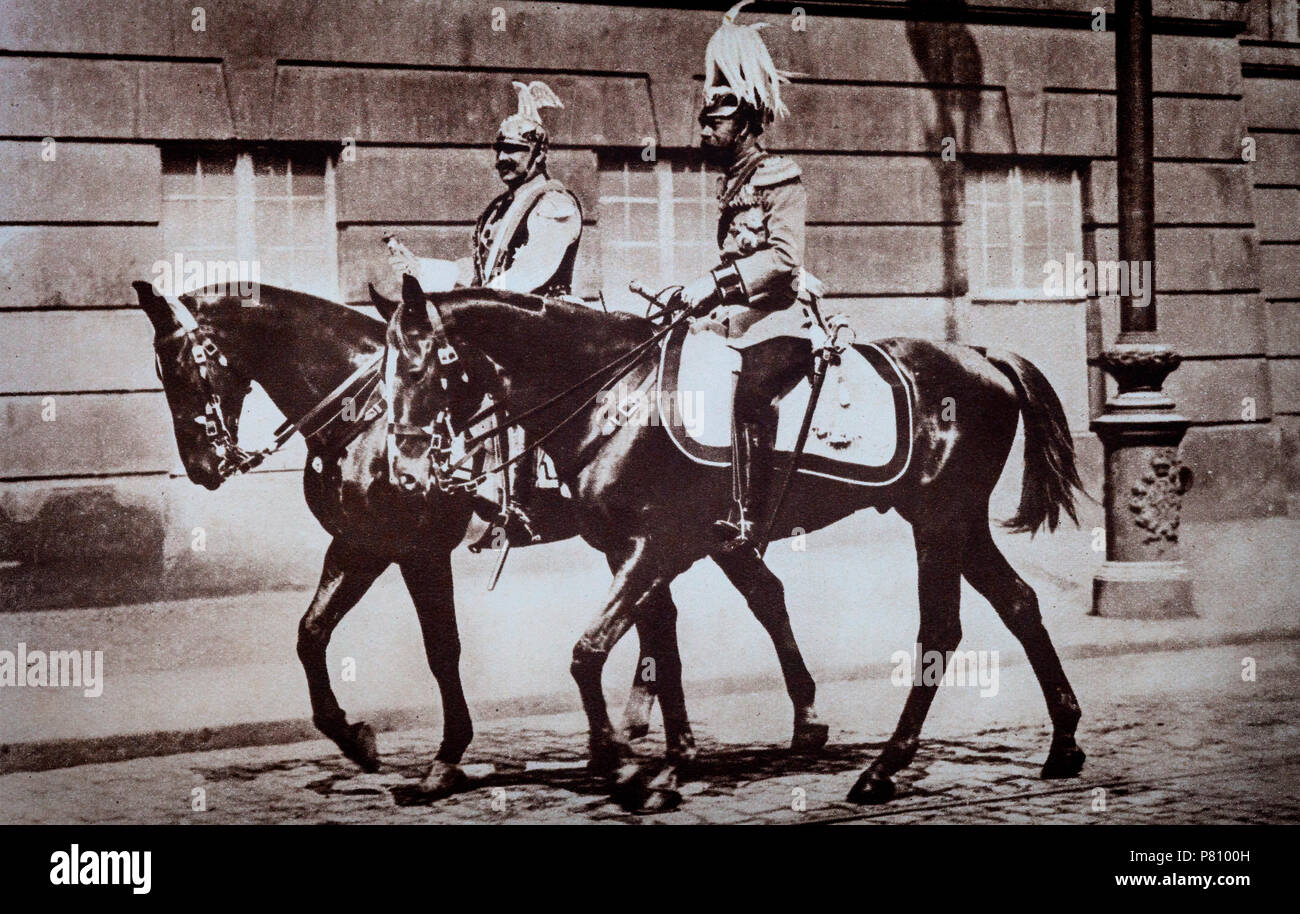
(861, 431)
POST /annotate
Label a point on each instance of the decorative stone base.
(1142, 590)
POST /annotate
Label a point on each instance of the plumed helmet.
(738, 70)
(524, 127)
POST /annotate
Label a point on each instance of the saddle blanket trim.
(809, 464)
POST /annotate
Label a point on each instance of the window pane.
(995, 186)
(1035, 256)
(199, 223)
(999, 267)
(642, 181)
(180, 174)
(308, 177)
(643, 223)
(689, 222)
(270, 176)
(309, 221)
(272, 223)
(218, 174)
(1035, 224)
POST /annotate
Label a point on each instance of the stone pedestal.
(1144, 576)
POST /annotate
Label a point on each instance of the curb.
(67, 753)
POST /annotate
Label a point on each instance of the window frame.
(244, 243)
(1013, 173)
(668, 167)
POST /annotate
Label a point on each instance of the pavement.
(1173, 737)
(222, 672)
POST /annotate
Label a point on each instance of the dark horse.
(300, 349)
(645, 505)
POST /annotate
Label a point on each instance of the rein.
(612, 371)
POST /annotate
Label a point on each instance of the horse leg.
(657, 629)
(345, 577)
(939, 564)
(765, 594)
(428, 578)
(641, 699)
(639, 572)
(1017, 605)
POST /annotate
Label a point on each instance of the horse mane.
(615, 328)
(323, 311)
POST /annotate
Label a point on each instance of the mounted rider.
(526, 240)
(755, 287)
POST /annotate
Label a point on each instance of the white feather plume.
(737, 57)
(535, 96)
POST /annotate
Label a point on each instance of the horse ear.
(412, 292)
(156, 308)
(385, 306)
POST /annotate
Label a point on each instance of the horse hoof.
(872, 789)
(809, 737)
(607, 754)
(442, 781)
(660, 800)
(631, 788)
(360, 747)
(633, 732)
(1065, 762)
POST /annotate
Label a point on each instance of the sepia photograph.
(450, 412)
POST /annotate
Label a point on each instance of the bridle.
(454, 475)
(231, 459)
(441, 435)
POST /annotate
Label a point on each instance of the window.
(272, 207)
(657, 225)
(1017, 220)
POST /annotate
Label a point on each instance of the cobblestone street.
(1173, 737)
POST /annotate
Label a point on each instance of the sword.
(820, 368)
(501, 564)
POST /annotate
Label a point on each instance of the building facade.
(949, 153)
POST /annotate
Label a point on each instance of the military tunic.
(527, 239)
(763, 206)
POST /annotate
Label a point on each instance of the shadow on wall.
(82, 547)
(948, 57)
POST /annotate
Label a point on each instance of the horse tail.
(1050, 477)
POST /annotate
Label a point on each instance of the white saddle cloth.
(861, 431)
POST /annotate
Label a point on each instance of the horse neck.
(542, 353)
(297, 354)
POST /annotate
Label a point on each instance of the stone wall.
(91, 508)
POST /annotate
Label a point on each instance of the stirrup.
(735, 538)
(518, 525)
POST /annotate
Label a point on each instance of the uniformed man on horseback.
(759, 279)
(526, 240)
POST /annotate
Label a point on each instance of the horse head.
(432, 388)
(204, 393)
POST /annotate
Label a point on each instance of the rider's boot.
(752, 461)
(515, 519)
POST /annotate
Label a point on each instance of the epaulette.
(775, 170)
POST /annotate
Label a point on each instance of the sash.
(515, 214)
